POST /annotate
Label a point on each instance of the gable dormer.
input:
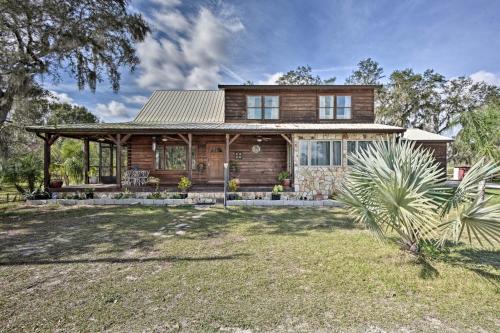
(299, 104)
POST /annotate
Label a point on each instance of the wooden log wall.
(254, 168)
(301, 106)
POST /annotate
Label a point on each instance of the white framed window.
(355, 146)
(343, 107)
(326, 107)
(320, 152)
(263, 107)
(254, 107)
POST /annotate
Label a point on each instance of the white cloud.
(60, 97)
(271, 78)
(485, 76)
(136, 99)
(192, 56)
(114, 111)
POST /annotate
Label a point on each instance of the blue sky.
(197, 44)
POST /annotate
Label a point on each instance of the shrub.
(233, 185)
(21, 170)
(277, 189)
(396, 186)
(283, 175)
(184, 184)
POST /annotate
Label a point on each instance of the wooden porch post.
(190, 156)
(46, 161)
(111, 162)
(100, 162)
(86, 161)
(119, 160)
(226, 159)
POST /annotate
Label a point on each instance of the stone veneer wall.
(312, 180)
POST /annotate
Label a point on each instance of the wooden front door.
(215, 162)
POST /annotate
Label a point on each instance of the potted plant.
(184, 185)
(276, 193)
(56, 180)
(284, 178)
(93, 175)
(89, 193)
(233, 187)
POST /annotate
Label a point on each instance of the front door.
(215, 162)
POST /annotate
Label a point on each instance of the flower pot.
(183, 195)
(318, 196)
(286, 182)
(275, 196)
(232, 196)
(56, 183)
(92, 180)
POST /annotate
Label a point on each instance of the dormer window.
(257, 104)
(334, 107)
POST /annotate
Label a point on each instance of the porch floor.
(168, 188)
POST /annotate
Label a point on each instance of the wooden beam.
(111, 162)
(286, 138)
(86, 159)
(183, 138)
(111, 138)
(100, 162)
(125, 138)
(190, 156)
(118, 160)
(41, 136)
(46, 162)
(234, 139)
(53, 139)
(226, 160)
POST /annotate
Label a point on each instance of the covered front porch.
(255, 159)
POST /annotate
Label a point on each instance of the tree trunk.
(6, 102)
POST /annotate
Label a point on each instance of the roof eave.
(301, 87)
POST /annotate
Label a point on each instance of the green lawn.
(130, 269)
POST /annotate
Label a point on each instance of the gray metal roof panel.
(183, 106)
(415, 134)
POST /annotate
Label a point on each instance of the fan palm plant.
(397, 186)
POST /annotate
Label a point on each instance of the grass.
(134, 269)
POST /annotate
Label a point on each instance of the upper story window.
(343, 110)
(340, 104)
(326, 107)
(263, 107)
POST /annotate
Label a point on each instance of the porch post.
(119, 160)
(190, 156)
(227, 149)
(111, 161)
(100, 162)
(86, 161)
(46, 161)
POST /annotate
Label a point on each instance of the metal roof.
(298, 87)
(415, 134)
(150, 128)
(183, 106)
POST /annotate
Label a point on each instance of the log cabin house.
(259, 130)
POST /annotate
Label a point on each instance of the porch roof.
(259, 128)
